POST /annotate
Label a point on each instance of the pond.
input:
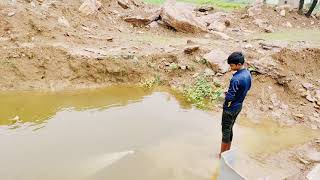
(122, 133)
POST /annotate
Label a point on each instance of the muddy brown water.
(121, 133)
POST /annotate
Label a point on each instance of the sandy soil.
(39, 50)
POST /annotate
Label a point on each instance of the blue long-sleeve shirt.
(240, 84)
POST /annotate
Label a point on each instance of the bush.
(202, 93)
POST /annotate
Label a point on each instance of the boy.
(238, 88)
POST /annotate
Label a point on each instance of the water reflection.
(125, 133)
(37, 107)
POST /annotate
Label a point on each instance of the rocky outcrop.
(180, 18)
(217, 60)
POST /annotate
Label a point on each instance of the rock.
(153, 24)
(265, 65)
(217, 60)
(317, 15)
(301, 116)
(90, 7)
(32, 4)
(179, 18)
(197, 59)
(317, 95)
(253, 11)
(317, 98)
(10, 14)
(261, 23)
(63, 21)
(314, 174)
(138, 21)
(309, 97)
(248, 46)
(288, 24)
(312, 22)
(274, 99)
(283, 13)
(144, 19)
(227, 23)
(136, 3)
(307, 86)
(208, 72)
(125, 4)
(191, 49)
(269, 29)
(204, 8)
(302, 160)
(189, 41)
(218, 16)
(221, 35)
(267, 46)
(195, 75)
(182, 67)
(110, 39)
(244, 16)
(217, 26)
(264, 24)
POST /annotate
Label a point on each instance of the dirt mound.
(304, 63)
(270, 16)
(288, 88)
(52, 68)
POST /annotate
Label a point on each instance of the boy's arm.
(233, 88)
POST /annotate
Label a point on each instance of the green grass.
(153, 82)
(220, 4)
(292, 35)
(202, 94)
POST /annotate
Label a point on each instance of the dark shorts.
(228, 120)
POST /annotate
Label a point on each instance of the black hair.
(236, 58)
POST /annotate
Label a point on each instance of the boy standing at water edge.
(238, 88)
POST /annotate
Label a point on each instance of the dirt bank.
(51, 45)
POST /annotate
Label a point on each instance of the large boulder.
(90, 7)
(125, 4)
(217, 60)
(179, 17)
(210, 18)
(144, 18)
(129, 4)
(254, 11)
